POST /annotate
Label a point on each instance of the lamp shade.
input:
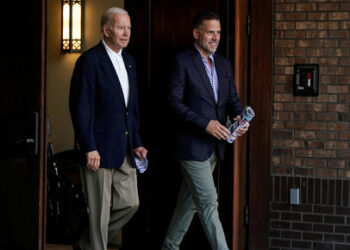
(72, 25)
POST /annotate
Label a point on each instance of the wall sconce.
(72, 25)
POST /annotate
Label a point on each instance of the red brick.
(338, 15)
(338, 126)
(282, 134)
(346, 62)
(303, 153)
(345, 6)
(337, 164)
(276, 161)
(344, 154)
(337, 145)
(326, 135)
(328, 79)
(295, 16)
(302, 226)
(316, 16)
(282, 151)
(279, 16)
(286, 116)
(345, 135)
(344, 25)
(339, 34)
(305, 134)
(282, 79)
(344, 98)
(306, 60)
(278, 125)
(305, 25)
(295, 52)
(294, 107)
(284, 25)
(315, 163)
(284, 61)
(316, 52)
(344, 79)
(326, 116)
(283, 97)
(304, 116)
(295, 34)
(315, 107)
(315, 125)
(315, 144)
(312, 218)
(284, 7)
(284, 43)
(306, 7)
(316, 34)
(282, 170)
(326, 98)
(338, 108)
(344, 43)
(304, 171)
(304, 99)
(294, 162)
(328, 6)
(326, 172)
(289, 71)
(342, 173)
(326, 43)
(327, 25)
(306, 43)
(325, 153)
(329, 60)
(312, 236)
(282, 88)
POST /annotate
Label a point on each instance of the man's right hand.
(93, 160)
(217, 130)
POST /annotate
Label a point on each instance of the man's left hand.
(140, 153)
(244, 129)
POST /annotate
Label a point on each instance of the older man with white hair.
(104, 111)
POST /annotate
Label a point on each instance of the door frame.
(252, 154)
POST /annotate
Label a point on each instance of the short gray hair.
(106, 17)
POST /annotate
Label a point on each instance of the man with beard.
(202, 95)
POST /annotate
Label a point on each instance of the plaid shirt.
(211, 72)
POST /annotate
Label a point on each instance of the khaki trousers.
(112, 200)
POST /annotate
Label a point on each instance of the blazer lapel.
(108, 68)
(129, 69)
(221, 75)
(197, 60)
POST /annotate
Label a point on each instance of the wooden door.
(22, 126)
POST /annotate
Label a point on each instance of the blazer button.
(126, 113)
(126, 132)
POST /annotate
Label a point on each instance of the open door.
(22, 126)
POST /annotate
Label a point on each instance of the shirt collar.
(109, 50)
(211, 56)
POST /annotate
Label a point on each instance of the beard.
(206, 48)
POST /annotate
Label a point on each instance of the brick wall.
(311, 135)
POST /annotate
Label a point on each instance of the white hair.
(106, 17)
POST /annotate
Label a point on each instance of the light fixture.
(72, 25)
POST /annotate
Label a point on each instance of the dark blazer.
(193, 105)
(100, 117)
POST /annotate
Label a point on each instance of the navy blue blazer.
(193, 105)
(100, 117)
